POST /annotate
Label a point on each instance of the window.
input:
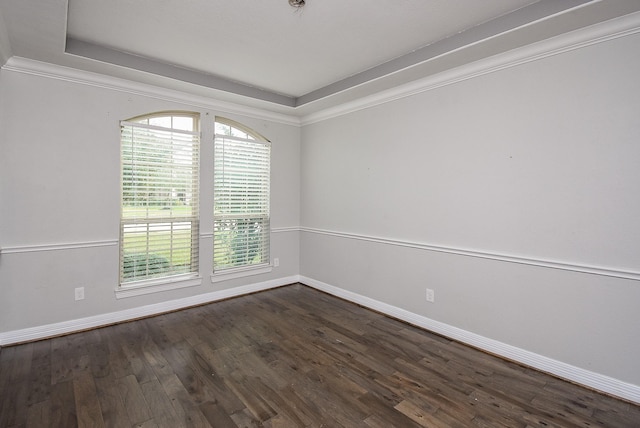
(241, 228)
(159, 223)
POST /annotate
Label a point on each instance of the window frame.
(173, 279)
(264, 266)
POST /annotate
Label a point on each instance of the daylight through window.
(159, 225)
(241, 197)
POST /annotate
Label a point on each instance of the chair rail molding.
(507, 258)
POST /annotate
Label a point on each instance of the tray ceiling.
(326, 52)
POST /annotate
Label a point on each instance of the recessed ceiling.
(292, 58)
(270, 45)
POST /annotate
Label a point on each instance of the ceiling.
(268, 54)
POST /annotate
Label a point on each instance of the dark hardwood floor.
(289, 357)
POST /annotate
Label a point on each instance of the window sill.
(165, 284)
(228, 274)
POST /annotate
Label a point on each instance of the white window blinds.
(241, 202)
(159, 227)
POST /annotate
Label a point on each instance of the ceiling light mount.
(296, 3)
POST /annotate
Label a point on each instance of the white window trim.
(140, 288)
(241, 272)
(228, 273)
(148, 286)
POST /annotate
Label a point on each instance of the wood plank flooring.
(288, 357)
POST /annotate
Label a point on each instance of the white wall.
(59, 184)
(539, 161)
(452, 189)
(5, 49)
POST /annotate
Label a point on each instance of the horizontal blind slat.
(160, 185)
(241, 202)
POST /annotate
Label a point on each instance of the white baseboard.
(566, 371)
(65, 327)
(562, 370)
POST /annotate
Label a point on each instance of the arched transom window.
(241, 197)
(159, 222)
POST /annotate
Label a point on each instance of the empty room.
(319, 213)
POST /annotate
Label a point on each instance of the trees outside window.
(160, 197)
(159, 223)
(241, 228)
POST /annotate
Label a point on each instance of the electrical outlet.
(431, 295)
(276, 262)
(80, 293)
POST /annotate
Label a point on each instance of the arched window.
(159, 223)
(241, 232)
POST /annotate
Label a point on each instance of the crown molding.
(578, 39)
(598, 33)
(72, 75)
(135, 62)
(484, 33)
